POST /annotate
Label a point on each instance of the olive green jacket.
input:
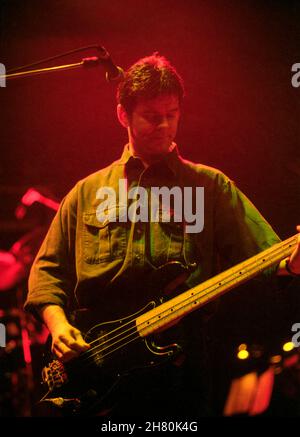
(82, 255)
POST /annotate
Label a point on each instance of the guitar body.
(89, 384)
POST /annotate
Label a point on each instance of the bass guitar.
(129, 344)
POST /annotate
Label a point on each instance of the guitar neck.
(179, 306)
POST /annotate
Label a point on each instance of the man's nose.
(163, 123)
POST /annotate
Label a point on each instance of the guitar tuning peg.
(192, 266)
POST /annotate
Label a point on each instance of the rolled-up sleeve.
(241, 231)
(52, 276)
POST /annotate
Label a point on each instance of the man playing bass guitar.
(120, 224)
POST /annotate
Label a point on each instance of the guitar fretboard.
(179, 306)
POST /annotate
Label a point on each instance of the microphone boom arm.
(86, 62)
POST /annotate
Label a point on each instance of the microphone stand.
(34, 196)
(85, 62)
(112, 71)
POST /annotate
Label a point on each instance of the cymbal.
(15, 263)
(12, 271)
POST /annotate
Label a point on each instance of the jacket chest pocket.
(166, 242)
(102, 241)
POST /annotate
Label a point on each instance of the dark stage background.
(241, 114)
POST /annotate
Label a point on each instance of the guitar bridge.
(63, 402)
(54, 375)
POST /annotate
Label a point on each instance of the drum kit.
(22, 335)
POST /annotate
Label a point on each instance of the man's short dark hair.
(148, 78)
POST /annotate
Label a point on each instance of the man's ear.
(122, 116)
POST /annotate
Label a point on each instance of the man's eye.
(152, 117)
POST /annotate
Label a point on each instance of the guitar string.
(116, 329)
(122, 326)
(197, 296)
(280, 248)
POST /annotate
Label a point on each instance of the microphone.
(27, 200)
(31, 196)
(113, 72)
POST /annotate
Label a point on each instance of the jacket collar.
(171, 159)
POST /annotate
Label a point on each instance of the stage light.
(242, 347)
(275, 359)
(243, 354)
(287, 347)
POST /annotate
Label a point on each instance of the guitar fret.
(168, 312)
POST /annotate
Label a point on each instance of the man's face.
(153, 125)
